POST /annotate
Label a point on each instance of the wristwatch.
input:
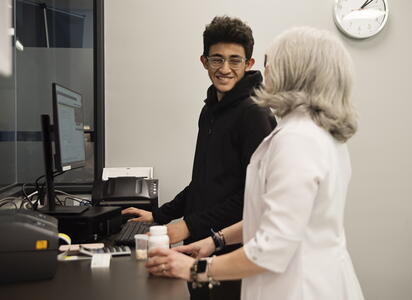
(201, 266)
(201, 270)
(199, 273)
(217, 240)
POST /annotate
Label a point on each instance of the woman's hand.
(202, 248)
(169, 263)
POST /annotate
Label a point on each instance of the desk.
(126, 278)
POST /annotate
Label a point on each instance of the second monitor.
(68, 129)
(68, 136)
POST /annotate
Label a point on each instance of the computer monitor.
(67, 134)
(68, 129)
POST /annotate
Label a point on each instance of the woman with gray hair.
(296, 184)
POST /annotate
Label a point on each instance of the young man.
(231, 126)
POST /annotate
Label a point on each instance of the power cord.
(40, 192)
(8, 200)
(74, 197)
(27, 198)
(40, 188)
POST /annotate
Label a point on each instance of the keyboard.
(113, 250)
(129, 229)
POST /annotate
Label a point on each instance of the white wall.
(5, 38)
(155, 85)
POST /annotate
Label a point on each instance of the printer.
(126, 187)
(28, 246)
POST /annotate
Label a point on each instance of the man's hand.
(202, 248)
(177, 232)
(143, 215)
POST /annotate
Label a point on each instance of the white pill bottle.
(158, 237)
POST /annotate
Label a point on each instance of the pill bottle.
(158, 237)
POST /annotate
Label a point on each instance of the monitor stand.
(51, 207)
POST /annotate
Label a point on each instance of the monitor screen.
(68, 128)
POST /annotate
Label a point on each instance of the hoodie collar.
(243, 89)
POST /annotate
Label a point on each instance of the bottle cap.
(158, 230)
(141, 236)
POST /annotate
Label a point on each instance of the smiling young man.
(231, 126)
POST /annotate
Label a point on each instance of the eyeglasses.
(217, 61)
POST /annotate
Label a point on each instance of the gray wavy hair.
(310, 70)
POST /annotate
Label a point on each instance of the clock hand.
(367, 2)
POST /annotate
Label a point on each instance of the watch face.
(360, 18)
(201, 266)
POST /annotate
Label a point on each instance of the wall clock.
(360, 19)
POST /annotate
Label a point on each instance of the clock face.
(360, 18)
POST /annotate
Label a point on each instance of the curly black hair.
(228, 30)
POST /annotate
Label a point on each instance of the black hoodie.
(229, 132)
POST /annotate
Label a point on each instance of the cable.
(8, 198)
(41, 189)
(77, 199)
(7, 202)
(82, 202)
(24, 190)
(58, 200)
(65, 238)
(29, 201)
(55, 174)
(26, 200)
(26, 197)
(72, 196)
(32, 194)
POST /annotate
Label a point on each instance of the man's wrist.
(185, 229)
(154, 212)
(151, 217)
(177, 232)
(212, 244)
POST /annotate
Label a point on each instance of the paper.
(5, 38)
(72, 252)
(146, 172)
(101, 260)
(76, 247)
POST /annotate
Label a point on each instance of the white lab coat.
(295, 196)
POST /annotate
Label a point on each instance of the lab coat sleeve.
(294, 165)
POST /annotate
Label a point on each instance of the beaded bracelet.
(211, 281)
